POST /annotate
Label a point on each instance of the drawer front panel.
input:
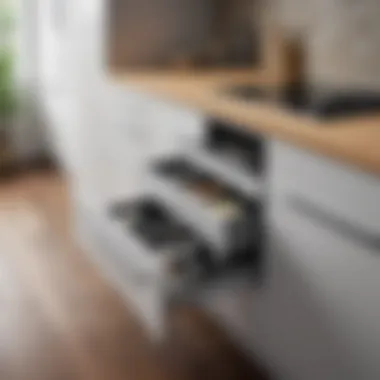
(351, 195)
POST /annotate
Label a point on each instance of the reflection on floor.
(60, 320)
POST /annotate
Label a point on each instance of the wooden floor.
(60, 320)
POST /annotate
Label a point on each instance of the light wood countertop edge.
(354, 141)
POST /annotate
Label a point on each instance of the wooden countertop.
(354, 141)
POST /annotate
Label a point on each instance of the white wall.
(71, 75)
(79, 99)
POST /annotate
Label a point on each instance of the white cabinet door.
(333, 308)
(318, 315)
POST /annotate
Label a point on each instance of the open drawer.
(226, 219)
(177, 247)
(132, 252)
(228, 168)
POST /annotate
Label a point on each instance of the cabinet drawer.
(340, 279)
(193, 210)
(347, 193)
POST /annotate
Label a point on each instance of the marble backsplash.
(341, 38)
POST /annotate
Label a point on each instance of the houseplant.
(7, 88)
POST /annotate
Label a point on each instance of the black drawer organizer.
(204, 207)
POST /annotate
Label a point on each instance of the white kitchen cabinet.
(227, 301)
(318, 314)
(119, 129)
(126, 140)
(172, 127)
(112, 137)
(139, 129)
(346, 192)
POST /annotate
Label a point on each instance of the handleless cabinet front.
(318, 314)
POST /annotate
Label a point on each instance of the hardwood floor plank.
(60, 319)
(29, 345)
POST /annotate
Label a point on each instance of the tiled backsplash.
(345, 47)
(180, 32)
(342, 38)
(151, 31)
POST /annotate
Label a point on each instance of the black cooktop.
(325, 104)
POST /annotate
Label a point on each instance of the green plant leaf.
(7, 88)
(6, 18)
(8, 100)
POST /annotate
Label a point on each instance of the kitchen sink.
(294, 97)
(305, 99)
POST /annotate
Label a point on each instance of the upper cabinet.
(181, 33)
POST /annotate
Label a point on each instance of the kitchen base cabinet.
(317, 314)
